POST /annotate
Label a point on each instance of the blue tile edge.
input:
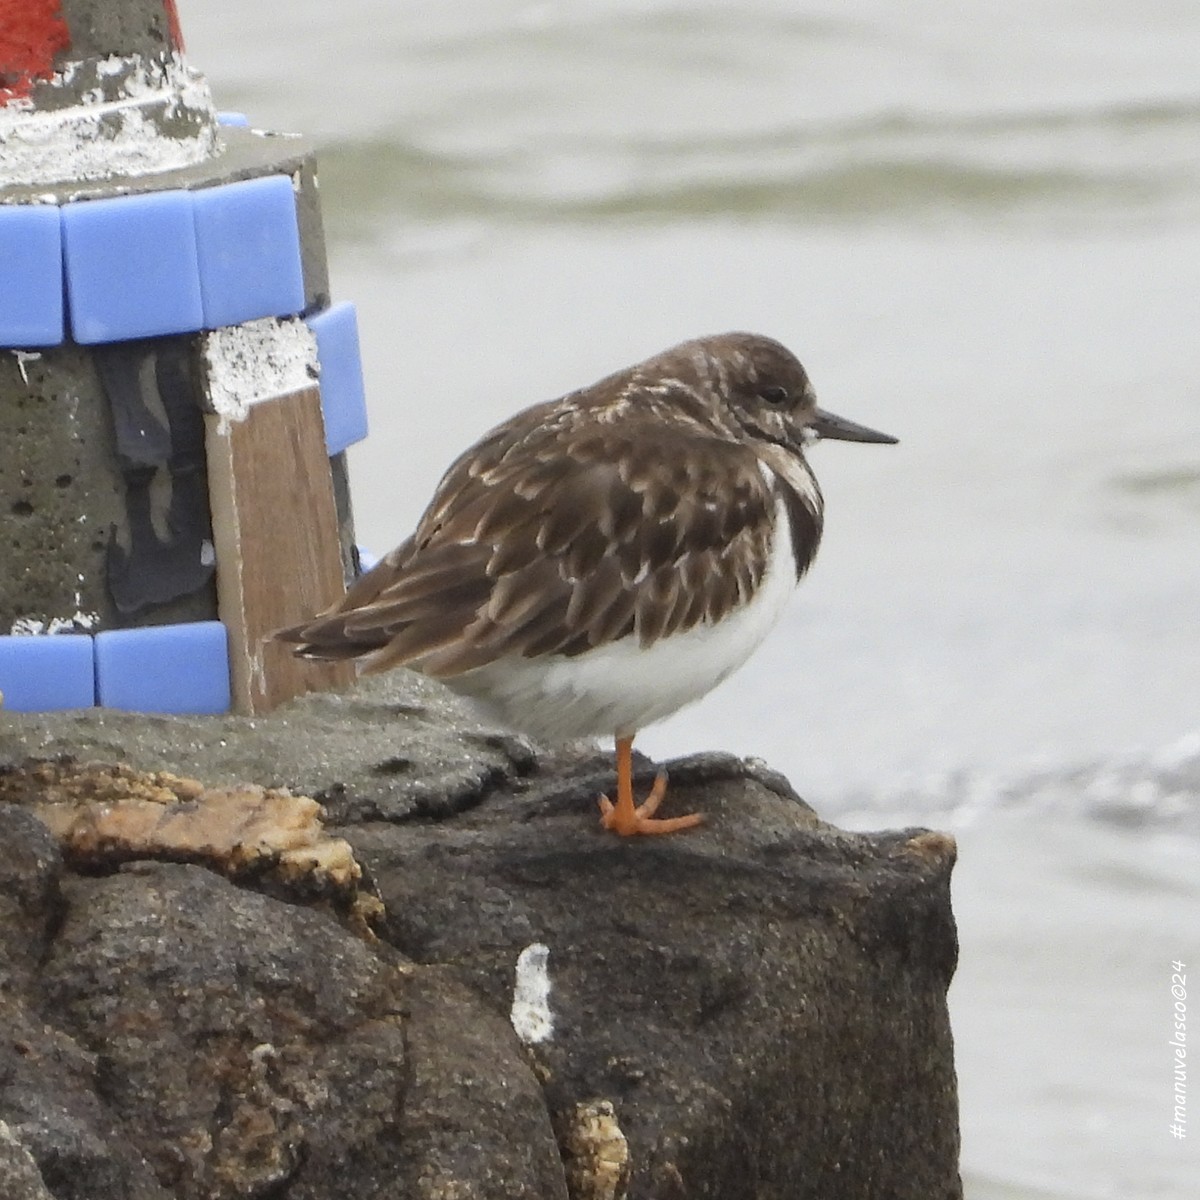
(188, 663)
(40, 293)
(343, 388)
(47, 672)
(66, 322)
(87, 685)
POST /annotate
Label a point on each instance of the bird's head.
(770, 396)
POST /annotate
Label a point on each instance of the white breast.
(621, 687)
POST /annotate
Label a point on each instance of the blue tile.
(233, 118)
(343, 398)
(31, 275)
(131, 267)
(248, 248)
(47, 671)
(164, 668)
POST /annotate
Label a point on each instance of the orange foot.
(626, 819)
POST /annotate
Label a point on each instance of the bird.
(597, 562)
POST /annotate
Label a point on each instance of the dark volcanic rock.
(227, 1027)
(51, 1114)
(30, 866)
(20, 1178)
(762, 1001)
(474, 1116)
(248, 1047)
(755, 1009)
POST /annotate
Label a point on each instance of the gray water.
(979, 226)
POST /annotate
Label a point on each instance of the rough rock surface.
(107, 814)
(393, 749)
(754, 1009)
(20, 1178)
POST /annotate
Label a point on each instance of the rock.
(595, 1152)
(104, 815)
(474, 1110)
(397, 748)
(760, 1004)
(30, 867)
(50, 1098)
(49, 1083)
(20, 1178)
(755, 1009)
(226, 1025)
(249, 1046)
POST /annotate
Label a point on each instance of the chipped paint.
(29, 40)
(135, 116)
(81, 622)
(173, 27)
(246, 364)
(531, 1016)
(23, 357)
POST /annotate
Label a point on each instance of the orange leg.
(626, 819)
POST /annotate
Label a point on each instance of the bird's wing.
(550, 540)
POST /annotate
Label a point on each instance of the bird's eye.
(774, 395)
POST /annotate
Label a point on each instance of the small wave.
(506, 166)
(364, 181)
(1145, 789)
(1180, 482)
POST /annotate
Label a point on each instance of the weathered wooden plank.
(276, 536)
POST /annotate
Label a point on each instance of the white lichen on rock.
(531, 1016)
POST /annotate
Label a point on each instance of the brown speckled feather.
(642, 507)
(599, 562)
(542, 541)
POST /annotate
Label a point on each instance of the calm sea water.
(979, 226)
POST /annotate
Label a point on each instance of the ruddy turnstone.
(599, 561)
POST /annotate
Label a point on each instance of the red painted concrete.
(32, 32)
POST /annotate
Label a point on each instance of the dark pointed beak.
(826, 425)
